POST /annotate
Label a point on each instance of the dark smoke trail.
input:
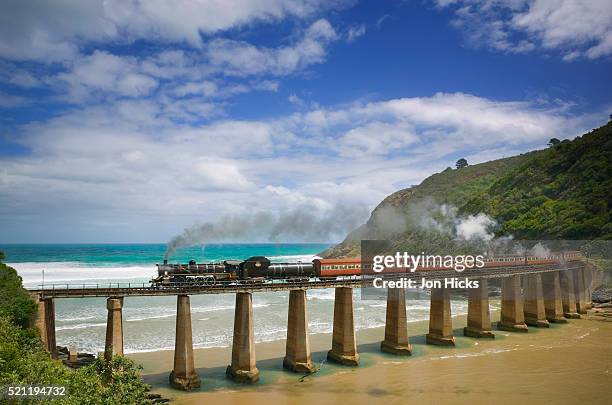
(305, 223)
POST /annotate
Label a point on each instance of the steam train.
(260, 269)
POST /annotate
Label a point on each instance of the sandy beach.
(563, 364)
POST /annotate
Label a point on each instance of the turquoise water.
(149, 322)
(106, 263)
(138, 254)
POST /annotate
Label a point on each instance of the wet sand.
(564, 364)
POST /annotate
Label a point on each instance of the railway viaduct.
(532, 295)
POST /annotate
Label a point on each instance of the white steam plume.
(444, 218)
(539, 250)
(476, 227)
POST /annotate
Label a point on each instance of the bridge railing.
(218, 285)
(148, 285)
(67, 286)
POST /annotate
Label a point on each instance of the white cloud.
(102, 72)
(205, 88)
(190, 82)
(128, 171)
(19, 77)
(456, 118)
(239, 58)
(294, 99)
(355, 32)
(220, 174)
(574, 28)
(376, 138)
(178, 74)
(54, 31)
(266, 85)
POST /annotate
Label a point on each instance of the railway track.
(225, 287)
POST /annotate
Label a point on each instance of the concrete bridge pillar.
(183, 375)
(243, 367)
(344, 343)
(579, 291)
(114, 328)
(512, 318)
(588, 286)
(298, 346)
(396, 326)
(479, 317)
(534, 311)
(440, 323)
(567, 295)
(45, 323)
(553, 305)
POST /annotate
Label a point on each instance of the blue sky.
(127, 121)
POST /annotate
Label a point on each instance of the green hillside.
(564, 192)
(561, 192)
(23, 361)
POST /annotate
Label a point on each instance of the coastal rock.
(602, 294)
(82, 359)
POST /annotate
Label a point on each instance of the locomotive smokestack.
(165, 262)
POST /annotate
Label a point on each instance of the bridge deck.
(225, 287)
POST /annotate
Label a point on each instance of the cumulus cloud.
(573, 28)
(17, 76)
(55, 31)
(127, 170)
(447, 121)
(219, 69)
(376, 138)
(240, 58)
(102, 72)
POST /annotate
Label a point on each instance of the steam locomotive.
(260, 269)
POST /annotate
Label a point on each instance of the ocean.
(149, 322)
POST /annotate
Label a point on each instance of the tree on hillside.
(2, 256)
(553, 142)
(461, 163)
